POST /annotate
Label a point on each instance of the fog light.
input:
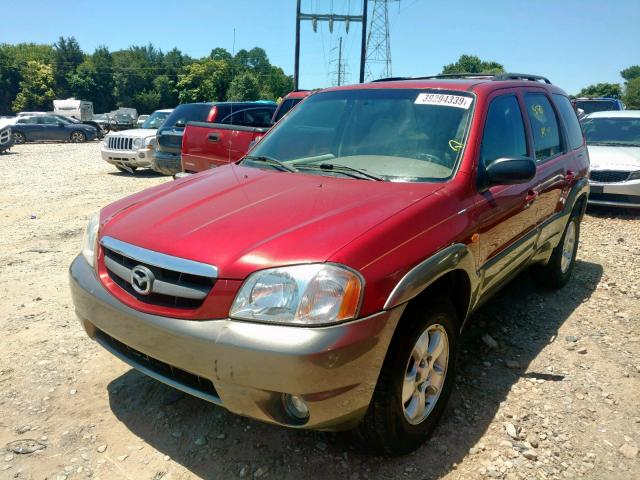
(141, 154)
(295, 406)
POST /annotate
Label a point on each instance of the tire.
(388, 428)
(555, 274)
(125, 170)
(78, 137)
(19, 138)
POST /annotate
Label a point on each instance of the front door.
(505, 218)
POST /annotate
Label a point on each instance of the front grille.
(5, 136)
(608, 176)
(156, 366)
(172, 286)
(120, 143)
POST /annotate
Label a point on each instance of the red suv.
(323, 280)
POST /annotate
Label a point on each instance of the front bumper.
(6, 139)
(167, 163)
(622, 194)
(334, 369)
(128, 158)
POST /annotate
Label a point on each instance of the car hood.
(614, 158)
(242, 219)
(135, 132)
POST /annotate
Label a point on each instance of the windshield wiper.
(271, 161)
(342, 169)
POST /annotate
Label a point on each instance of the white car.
(132, 149)
(613, 141)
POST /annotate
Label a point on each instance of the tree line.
(143, 77)
(629, 92)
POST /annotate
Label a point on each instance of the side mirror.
(510, 171)
(180, 124)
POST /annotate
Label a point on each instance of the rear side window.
(568, 114)
(285, 106)
(504, 134)
(188, 112)
(544, 126)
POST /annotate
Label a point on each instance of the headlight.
(312, 294)
(150, 142)
(137, 142)
(89, 240)
(634, 175)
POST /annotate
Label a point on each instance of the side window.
(568, 114)
(544, 126)
(238, 118)
(258, 116)
(504, 134)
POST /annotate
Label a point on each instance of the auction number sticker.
(458, 101)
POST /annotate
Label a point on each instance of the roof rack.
(483, 76)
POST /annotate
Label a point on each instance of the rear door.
(550, 152)
(505, 221)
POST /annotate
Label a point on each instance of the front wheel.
(555, 274)
(415, 381)
(19, 138)
(78, 137)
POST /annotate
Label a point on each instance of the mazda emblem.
(142, 279)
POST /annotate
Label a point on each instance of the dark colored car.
(167, 154)
(122, 121)
(93, 123)
(323, 280)
(600, 104)
(51, 128)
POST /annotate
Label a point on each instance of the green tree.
(472, 64)
(275, 84)
(611, 90)
(631, 72)
(68, 56)
(220, 54)
(204, 81)
(103, 97)
(631, 97)
(244, 87)
(37, 88)
(254, 60)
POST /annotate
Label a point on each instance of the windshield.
(188, 112)
(402, 135)
(590, 106)
(618, 131)
(66, 120)
(155, 120)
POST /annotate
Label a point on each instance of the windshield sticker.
(455, 145)
(443, 99)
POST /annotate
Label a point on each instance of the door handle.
(213, 137)
(530, 198)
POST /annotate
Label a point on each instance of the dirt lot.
(557, 397)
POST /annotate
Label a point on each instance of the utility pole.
(340, 62)
(330, 18)
(379, 42)
(340, 72)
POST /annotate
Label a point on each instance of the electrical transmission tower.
(340, 72)
(378, 57)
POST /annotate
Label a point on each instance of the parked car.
(6, 137)
(122, 121)
(288, 102)
(103, 120)
(93, 123)
(129, 150)
(323, 281)
(613, 140)
(167, 158)
(586, 106)
(51, 128)
(141, 119)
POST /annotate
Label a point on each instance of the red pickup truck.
(323, 281)
(206, 145)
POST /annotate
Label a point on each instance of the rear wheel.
(19, 137)
(78, 137)
(555, 274)
(415, 382)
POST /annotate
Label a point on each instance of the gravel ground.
(548, 383)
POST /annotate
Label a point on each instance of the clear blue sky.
(573, 42)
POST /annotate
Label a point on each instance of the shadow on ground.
(144, 173)
(171, 422)
(611, 212)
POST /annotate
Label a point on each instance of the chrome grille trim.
(120, 143)
(160, 260)
(194, 292)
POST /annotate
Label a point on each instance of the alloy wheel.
(568, 246)
(425, 374)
